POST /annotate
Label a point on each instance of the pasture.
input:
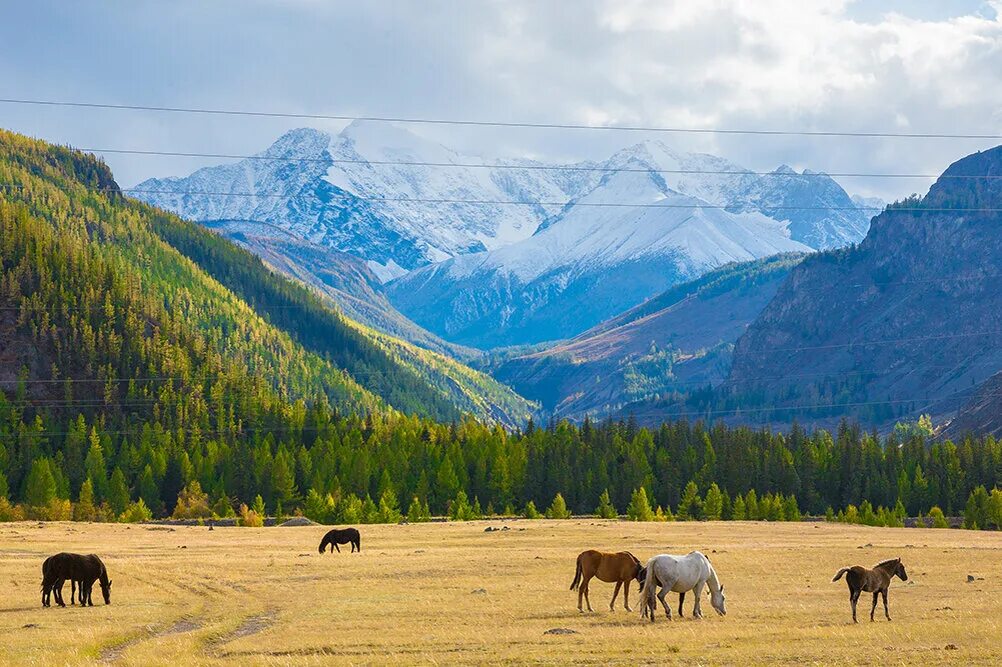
(447, 593)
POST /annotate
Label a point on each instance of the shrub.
(249, 517)
(530, 511)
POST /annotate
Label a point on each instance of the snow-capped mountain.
(360, 192)
(631, 237)
(542, 249)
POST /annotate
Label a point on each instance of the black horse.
(341, 536)
(82, 571)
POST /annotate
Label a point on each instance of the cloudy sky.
(866, 66)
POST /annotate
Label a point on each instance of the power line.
(531, 166)
(494, 123)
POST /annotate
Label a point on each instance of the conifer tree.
(558, 509)
(690, 508)
(605, 509)
(118, 492)
(713, 504)
(639, 508)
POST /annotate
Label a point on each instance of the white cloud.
(771, 64)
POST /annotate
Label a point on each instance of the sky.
(857, 66)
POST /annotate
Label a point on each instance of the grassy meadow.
(449, 593)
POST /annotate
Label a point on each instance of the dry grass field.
(449, 593)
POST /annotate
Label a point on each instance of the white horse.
(680, 574)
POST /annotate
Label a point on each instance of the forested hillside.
(129, 373)
(672, 344)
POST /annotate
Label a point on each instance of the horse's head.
(106, 591)
(641, 574)
(717, 601)
(899, 570)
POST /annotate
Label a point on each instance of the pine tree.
(118, 492)
(95, 466)
(937, 517)
(558, 509)
(605, 509)
(791, 511)
(460, 510)
(136, 512)
(415, 512)
(639, 508)
(530, 511)
(738, 511)
(84, 510)
(40, 487)
(258, 506)
(148, 490)
(751, 506)
(690, 508)
(389, 510)
(713, 504)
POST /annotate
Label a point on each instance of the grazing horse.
(622, 568)
(875, 581)
(680, 574)
(341, 536)
(82, 571)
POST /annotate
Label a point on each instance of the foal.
(874, 581)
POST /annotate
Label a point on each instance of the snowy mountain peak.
(304, 142)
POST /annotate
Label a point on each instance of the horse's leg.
(73, 590)
(586, 591)
(681, 601)
(874, 607)
(665, 590)
(853, 597)
(336, 547)
(697, 609)
(615, 594)
(57, 591)
(887, 614)
(626, 595)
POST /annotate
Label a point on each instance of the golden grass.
(265, 596)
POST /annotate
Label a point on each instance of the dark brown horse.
(82, 571)
(341, 536)
(622, 568)
(875, 581)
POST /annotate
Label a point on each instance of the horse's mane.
(888, 563)
(635, 559)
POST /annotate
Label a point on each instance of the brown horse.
(874, 581)
(622, 568)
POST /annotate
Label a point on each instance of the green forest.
(150, 368)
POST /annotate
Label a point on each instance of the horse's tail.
(358, 541)
(577, 576)
(838, 575)
(647, 592)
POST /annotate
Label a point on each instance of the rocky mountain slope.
(678, 341)
(908, 321)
